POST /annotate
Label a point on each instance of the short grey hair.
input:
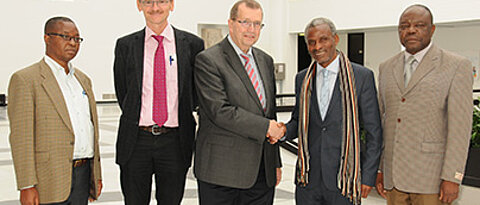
(252, 4)
(320, 21)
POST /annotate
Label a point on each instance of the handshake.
(276, 131)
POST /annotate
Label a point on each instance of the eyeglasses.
(248, 24)
(67, 37)
(151, 3)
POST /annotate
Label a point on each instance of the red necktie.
(160, 113)
(253, 79)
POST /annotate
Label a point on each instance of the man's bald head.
(419, 6)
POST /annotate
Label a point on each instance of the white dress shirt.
(78, 108)
(171, 77)
(418, 56)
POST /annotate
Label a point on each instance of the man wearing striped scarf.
(334, 98)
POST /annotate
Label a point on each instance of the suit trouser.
(79, 191)
(397, 197)
(158, 155)
(258, 194)
(316, 193)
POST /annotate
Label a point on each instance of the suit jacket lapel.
(398, 71)
(238, 68)
(314, 106)
(91, 97)
(182, 59)
(264, 72)
(335, 100)
(139, 46)
(53, 91)
(428, 63)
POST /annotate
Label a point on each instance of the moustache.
(318, 51)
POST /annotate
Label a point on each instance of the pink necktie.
(160, 113)
(253, 79)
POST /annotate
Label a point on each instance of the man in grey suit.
(425, 96)
(334, 97)
(234, 162)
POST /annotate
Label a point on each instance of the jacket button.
(324, 129)
(71, 143)
(403, 99)
(399, 120)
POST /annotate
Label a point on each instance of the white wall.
(101, 22)
(380, 44)
(461, 38)
(351, 14)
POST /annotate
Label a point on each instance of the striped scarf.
(348, 176)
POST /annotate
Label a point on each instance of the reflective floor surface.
(111, 194)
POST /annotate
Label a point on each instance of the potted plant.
(472, 169)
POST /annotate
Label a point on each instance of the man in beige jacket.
(425, 96)
(53, 124)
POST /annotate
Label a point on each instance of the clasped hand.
(276, 131)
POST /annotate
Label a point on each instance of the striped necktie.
(159, 114)
(324, 93)
(254, 79)
(409, 69)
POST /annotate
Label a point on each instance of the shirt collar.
(57, 67)
(333, 66)
(237, 49)
(167, 33)
(420, 54)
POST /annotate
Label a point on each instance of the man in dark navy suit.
(334, 97)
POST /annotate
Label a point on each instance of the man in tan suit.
(425, 96)
(53, 124)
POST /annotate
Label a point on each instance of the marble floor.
(111, 194)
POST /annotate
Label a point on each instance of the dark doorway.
(3, 100)
(303, 58)
(356, 47)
